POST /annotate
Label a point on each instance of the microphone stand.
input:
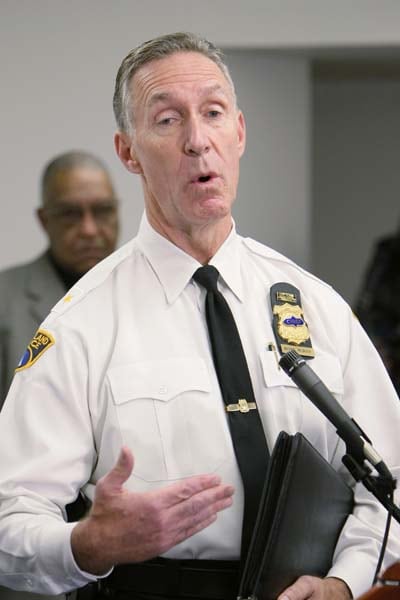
(381, 486)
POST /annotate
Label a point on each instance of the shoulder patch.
(41, 342)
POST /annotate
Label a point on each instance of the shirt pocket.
(163, 410)
(287, 407)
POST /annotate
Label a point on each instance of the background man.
(124, 391)
(376, 305)
(78, 213)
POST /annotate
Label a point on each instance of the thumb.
(114, 479)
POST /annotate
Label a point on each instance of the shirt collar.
(174, 267)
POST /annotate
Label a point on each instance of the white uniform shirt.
(132, 364)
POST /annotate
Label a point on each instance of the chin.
(214, 210)
(211, 200)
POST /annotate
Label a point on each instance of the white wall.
(356, 175)
(274, 199)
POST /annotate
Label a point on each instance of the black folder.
(303, 508)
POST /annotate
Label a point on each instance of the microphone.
(357, 443)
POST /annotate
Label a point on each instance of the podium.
(388, 586)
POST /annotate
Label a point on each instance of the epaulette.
(70, 298)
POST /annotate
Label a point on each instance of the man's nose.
(88, 225)
(196, 137)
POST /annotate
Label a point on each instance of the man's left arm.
(370, 399)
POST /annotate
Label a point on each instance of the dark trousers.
(92, 592)
(166, 579)
(136, 596)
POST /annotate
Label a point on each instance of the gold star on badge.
(68, 298)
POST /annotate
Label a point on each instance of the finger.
(184, 534)
(113, 481)
(196, 513)
(185, 489)
(204, 502)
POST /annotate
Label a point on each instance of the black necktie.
(237, 391)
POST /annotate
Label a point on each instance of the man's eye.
(103, 211)
(71, 213)
(214, 113)
(166, 121)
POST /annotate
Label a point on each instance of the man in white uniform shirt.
(118, 395)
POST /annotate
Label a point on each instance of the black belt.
(168, 578)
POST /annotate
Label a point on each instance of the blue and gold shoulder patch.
(41, 342)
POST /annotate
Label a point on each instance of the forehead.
(80, 183)
(177, 73)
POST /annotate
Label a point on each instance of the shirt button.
(162, 389)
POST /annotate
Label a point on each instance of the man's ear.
(42, 218)
(124, 148)
(241, 133)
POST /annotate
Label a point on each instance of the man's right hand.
(125, 527)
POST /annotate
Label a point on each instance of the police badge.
(290, 328)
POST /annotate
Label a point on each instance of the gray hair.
(67, 162)
(152, 50)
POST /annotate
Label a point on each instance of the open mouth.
(204, 178)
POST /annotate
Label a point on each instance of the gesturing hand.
(125, 526)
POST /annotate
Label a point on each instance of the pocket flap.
(326, 366)
(158, 379)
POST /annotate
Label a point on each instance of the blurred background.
(318, 81)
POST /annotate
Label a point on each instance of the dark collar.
(68, 277)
